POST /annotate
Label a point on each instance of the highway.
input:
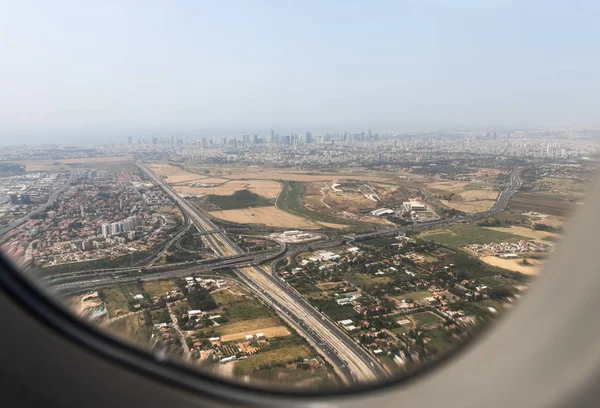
(352, 362)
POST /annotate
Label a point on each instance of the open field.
(270, 216)
(118, 298)
(552, 204)
(328, 285)
(415, 296)
(526, 232)
(266, 188)
(513, 264)
(269, 332)
(158, 288)
(131, 328)
(282, 355)
(363, 280)
(247, 326)
(472, 195)
(174, 174)
(248, 309)
(240, 199)
(551, 220)
(461, 235)
(427, 320)
(564, 185)
(223, 297)
(469, 207)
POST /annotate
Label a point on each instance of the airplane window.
(305, 198)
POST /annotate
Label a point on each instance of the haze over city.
(307, 197)
(75, 72)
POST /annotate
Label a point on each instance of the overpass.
(352, 362)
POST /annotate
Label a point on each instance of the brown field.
(527, 232)
(208, 180)
(247, 326)
(328, 285)
(266, 188)
(472, 195)
(552, 221)
(270, 216)
(552, 204)
(173, 174)
(269, 332)
(469, 207)
(513, 264)
(448, 186)
(304, 176)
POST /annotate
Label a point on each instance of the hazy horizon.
(94, 73)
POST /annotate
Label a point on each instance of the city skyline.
(228, 68)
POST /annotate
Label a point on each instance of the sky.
(93, 71)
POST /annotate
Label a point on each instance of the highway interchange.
(351, 361)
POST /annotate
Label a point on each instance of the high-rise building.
(106, 230)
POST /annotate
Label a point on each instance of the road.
(350, 360)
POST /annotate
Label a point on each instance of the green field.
(224, 297)
(290, 200)
(427, 320)
(159, 288)
(333, 310)
(160, 316)
(239, 199)
(247, 325)
(415, 296)
(132, 328)
(286, 353)
(464, 234)
(246, 310)
(364, 280)
(120, 298)
(440, 340)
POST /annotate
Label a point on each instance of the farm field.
(270, 216)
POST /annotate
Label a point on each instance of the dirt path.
(323, 195)
(186, 351)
